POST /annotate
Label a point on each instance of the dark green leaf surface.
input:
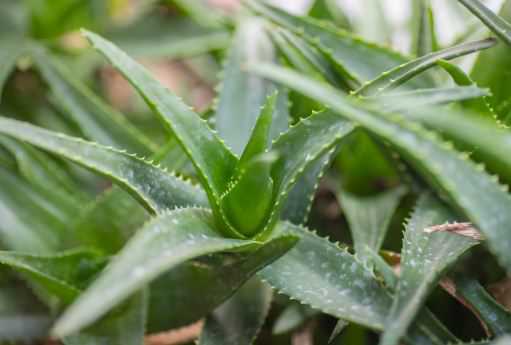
(164, 243)
(10, 50)
(156, 189)
(425, 258)
(239, 319)
(452, 173)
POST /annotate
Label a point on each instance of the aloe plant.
(119, 221)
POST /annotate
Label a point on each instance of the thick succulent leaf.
(294, 316)
(223, 274)
(496, 317)
(243, 94)
(11, 49)
(156, 36)
(30, 223)
(61, 275)
(425, 97)
(497, 24)
(22, 317)
(426, 40)
(501, 341)
(374, 25)
(425, 258)
(97, 120)
(369, 217)
(359, 61)
(154, 188)
(125, 325)
(473, 191)
(318, 273)
(164, 243)
(212, 159)
(240, 318)
(487, 72)
(202, 12)
(298, 148)
(397, 76)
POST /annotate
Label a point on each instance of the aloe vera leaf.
(241, 94)
(398, 75)
(23, 318)
(428, 97)
(426, 257)
(97, 120)
(11, 49)
(425, 39)
(496, 317)
(123, 326)
(164, 243)
(223, 274)
(355, 59)
(450, 172)
(297, 149)
(154, 188)
(292, 317)
(369, 217)
(212, 159)
(495, 23)
(62, 275)
(240, 318)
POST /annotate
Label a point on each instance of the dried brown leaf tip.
(463, 229)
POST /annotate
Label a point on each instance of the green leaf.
(22, 317)
(11, 49)
(497, 24)
(154, 188)
(355, 59)
(223, 274)
(202, 12)
(97, 121)
(369, 217)
(294, 316)
(239, 319)
(426, 41)
(487, 72)
(398, 75)
(501, 341)
(61, 275)
(374, 25)
(425, 258)
(420, 98)
(241, 94)
(165, 242)
(497, 317)
(125, 325)
(473, 191)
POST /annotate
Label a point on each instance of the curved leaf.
(397, 76)
(425, 258)
(11, 50)
(154, 188)
(239, 319)
(474, 192)
(165, 242)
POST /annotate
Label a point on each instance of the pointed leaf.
(426, 257)
(497, 24)
(165, 242)
(397, 76)
(212, 159)
(426, 36)
(369, 217)
(294, 316)
(239, 319)
(474, 192)
(11, 49)
(153, 187)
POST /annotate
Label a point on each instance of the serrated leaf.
(239, 319)
(213, 160)
(398, 75)
(125, 326)
(356, 59)
(61, 275)
(497, 24)
(369, 217)
(153, 187)
(223, 274)
(474, 192)
(11, 49)
(97, 120)
(425, 258)
(165, 242)
(496, 317)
